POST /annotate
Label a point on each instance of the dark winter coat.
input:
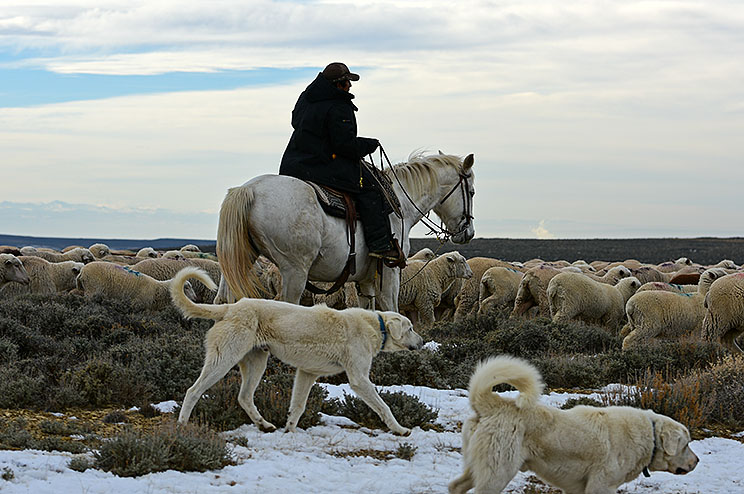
(324, 146)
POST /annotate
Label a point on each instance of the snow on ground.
(309, 461)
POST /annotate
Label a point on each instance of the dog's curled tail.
(188, 307)
(504, 369)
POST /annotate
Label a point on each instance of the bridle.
(441, 232)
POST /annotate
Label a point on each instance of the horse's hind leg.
(293, 283)
(252, 367)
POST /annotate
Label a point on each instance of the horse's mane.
(419, 172)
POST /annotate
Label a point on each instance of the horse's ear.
(467, 164)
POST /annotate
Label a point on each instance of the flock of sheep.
(642, 301)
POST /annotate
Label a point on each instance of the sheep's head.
(458, 265)
(175, 255)
(12, 269)
(147, 252)
(99, 250)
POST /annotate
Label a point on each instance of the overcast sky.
(607, 119)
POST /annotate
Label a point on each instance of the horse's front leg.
(387, 294)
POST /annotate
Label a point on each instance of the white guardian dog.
(316, 340)
(584, 450)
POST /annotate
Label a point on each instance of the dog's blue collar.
(383, 331)
(653, 453)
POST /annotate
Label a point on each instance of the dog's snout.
(680, 471)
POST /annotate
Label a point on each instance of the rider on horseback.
(324, 148)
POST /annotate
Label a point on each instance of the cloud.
(613, 117)
(541, 232)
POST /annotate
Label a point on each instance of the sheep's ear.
(441, 153)
(467, 164)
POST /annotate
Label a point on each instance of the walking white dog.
(584, 450)
(316, 340)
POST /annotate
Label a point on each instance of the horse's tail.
(235, 250)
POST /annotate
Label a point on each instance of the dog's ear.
(396, 325)
(674, 438)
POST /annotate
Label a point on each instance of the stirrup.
(392, 258)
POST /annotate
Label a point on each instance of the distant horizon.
(586, 119)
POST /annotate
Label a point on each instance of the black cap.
(338, 71)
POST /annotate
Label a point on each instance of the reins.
(442, 234)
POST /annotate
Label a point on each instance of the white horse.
(280, 217)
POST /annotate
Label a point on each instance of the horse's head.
(455, 209)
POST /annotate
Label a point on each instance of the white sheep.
(147, 252)
(425, 254)
(533, 288)
(175, 255)
(199, 255)
(11, 269)
(670, 266)
(121, 259)
(724, 311)
(498, 289)
(577, 296)
(667, 287)
(78, 254)
(190, 248)
(467, 299)
(123, 283)
(423, 282)
(99, 250)
(9, 249)
(163, 269)
(666, 314)
(46, 277)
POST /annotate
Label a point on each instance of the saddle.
(334, 202)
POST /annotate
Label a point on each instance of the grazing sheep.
(71, 247)
(190, 248)
(147, 252)
(467, 299)
(724, 311)
(122, 282)
(666, 314)
(667, 287)
(99, 250)
(533, 287)
(726, 264)
(46, 277)
(498, 289)
(11, 269)
(671, 266)
(422, 284)
(577, 296)
(175, 255)
(9, 249)
(122, 260)
(425, 254)
(78, 254)
(199, 255)
(163, 269)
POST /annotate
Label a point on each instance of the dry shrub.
(185, 448)
(685, 400)
(725, 382)
(408, 410)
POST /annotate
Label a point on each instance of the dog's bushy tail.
(187, 306)
(504, 369)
